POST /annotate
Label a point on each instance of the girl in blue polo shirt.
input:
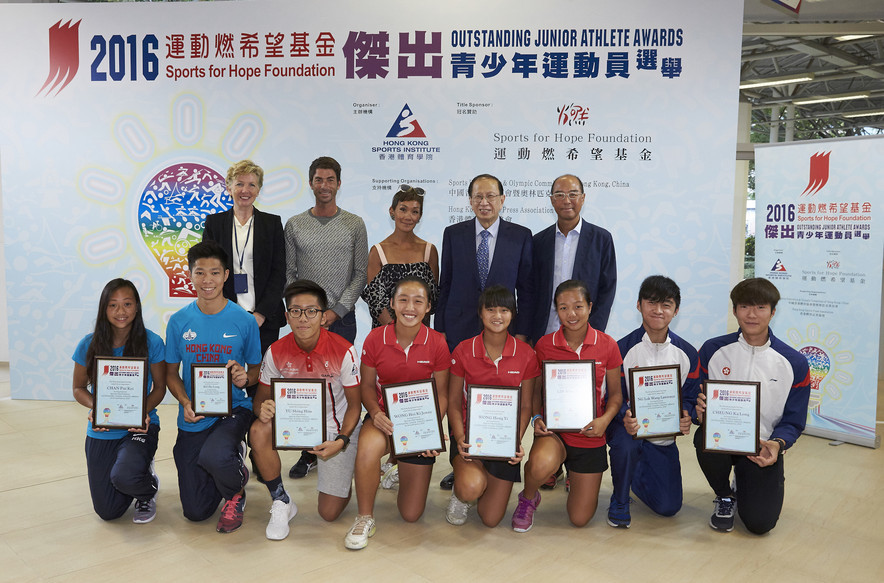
(119, 462)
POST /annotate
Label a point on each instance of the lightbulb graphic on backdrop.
(172, 214)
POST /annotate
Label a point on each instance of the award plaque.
(414, 410)
(569, 400)
(493, 422)
(655, 400)
(733, 415)
(211, 390)
(119, 392)
(299, 422)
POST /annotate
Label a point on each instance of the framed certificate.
(733, 414)
(211, 390)
(119, 392)
(299, 422)
(493, 422)
(569, 400)
(414, 410)
(655, 400)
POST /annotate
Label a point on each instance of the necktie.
(482, 258)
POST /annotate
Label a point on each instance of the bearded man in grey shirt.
(328, 245)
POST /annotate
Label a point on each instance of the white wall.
(4, 328)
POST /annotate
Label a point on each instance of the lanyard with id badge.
(241, 280)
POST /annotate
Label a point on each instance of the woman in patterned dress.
(400, 255)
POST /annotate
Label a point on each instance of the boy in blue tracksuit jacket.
(753, 353)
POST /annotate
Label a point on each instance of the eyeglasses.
(572, 195)
(407, 188)
(309, 312)
(492, 198)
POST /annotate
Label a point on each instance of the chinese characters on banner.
(819, 222)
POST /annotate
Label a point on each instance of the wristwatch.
(344, 438)
(782, 443)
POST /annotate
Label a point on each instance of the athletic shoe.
(280, 516)
(553, 480)
(231, 514)
(363, 529)
(447, 482)
(723, 518)
(146, 510)
(618, 514)
(457, 510)
(389, 476)
(303, 466)
(523, 517)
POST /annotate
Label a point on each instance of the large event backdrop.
(818, 225)
(119, 121)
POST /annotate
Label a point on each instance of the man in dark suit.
(475, 254)
(572, 248)
(478, 253)
(256, 252)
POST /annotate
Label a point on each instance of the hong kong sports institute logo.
(64, 55)
(406, 125)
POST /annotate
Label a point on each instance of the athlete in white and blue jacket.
(753, 353)
(650, 467)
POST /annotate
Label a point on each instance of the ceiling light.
(772, 81)
(831, 98)
(866, 113)
(848, 37)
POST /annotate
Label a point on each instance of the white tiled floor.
(830, 530)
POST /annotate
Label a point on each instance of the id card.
(241, 283)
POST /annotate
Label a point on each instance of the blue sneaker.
(618, 514)
(722, 519)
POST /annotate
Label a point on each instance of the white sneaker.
(280, 516)
(363, 528)
(390, 476)
(457, 510)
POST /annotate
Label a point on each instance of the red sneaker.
(553, 480)
(231, 514)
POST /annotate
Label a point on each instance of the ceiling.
(818, 41)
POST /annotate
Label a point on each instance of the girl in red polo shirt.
(583, 452)
(401, 352)
(492, 358)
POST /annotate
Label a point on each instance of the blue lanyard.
(246, 244)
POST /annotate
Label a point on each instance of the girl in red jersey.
(401, 352)
(583, 453)
(492, 358)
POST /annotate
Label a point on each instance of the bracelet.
(535, 418)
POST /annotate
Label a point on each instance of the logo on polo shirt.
(726, 371)
(189, 335)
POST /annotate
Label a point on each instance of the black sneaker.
(303, 466)
(447, 482)
(722, 519)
